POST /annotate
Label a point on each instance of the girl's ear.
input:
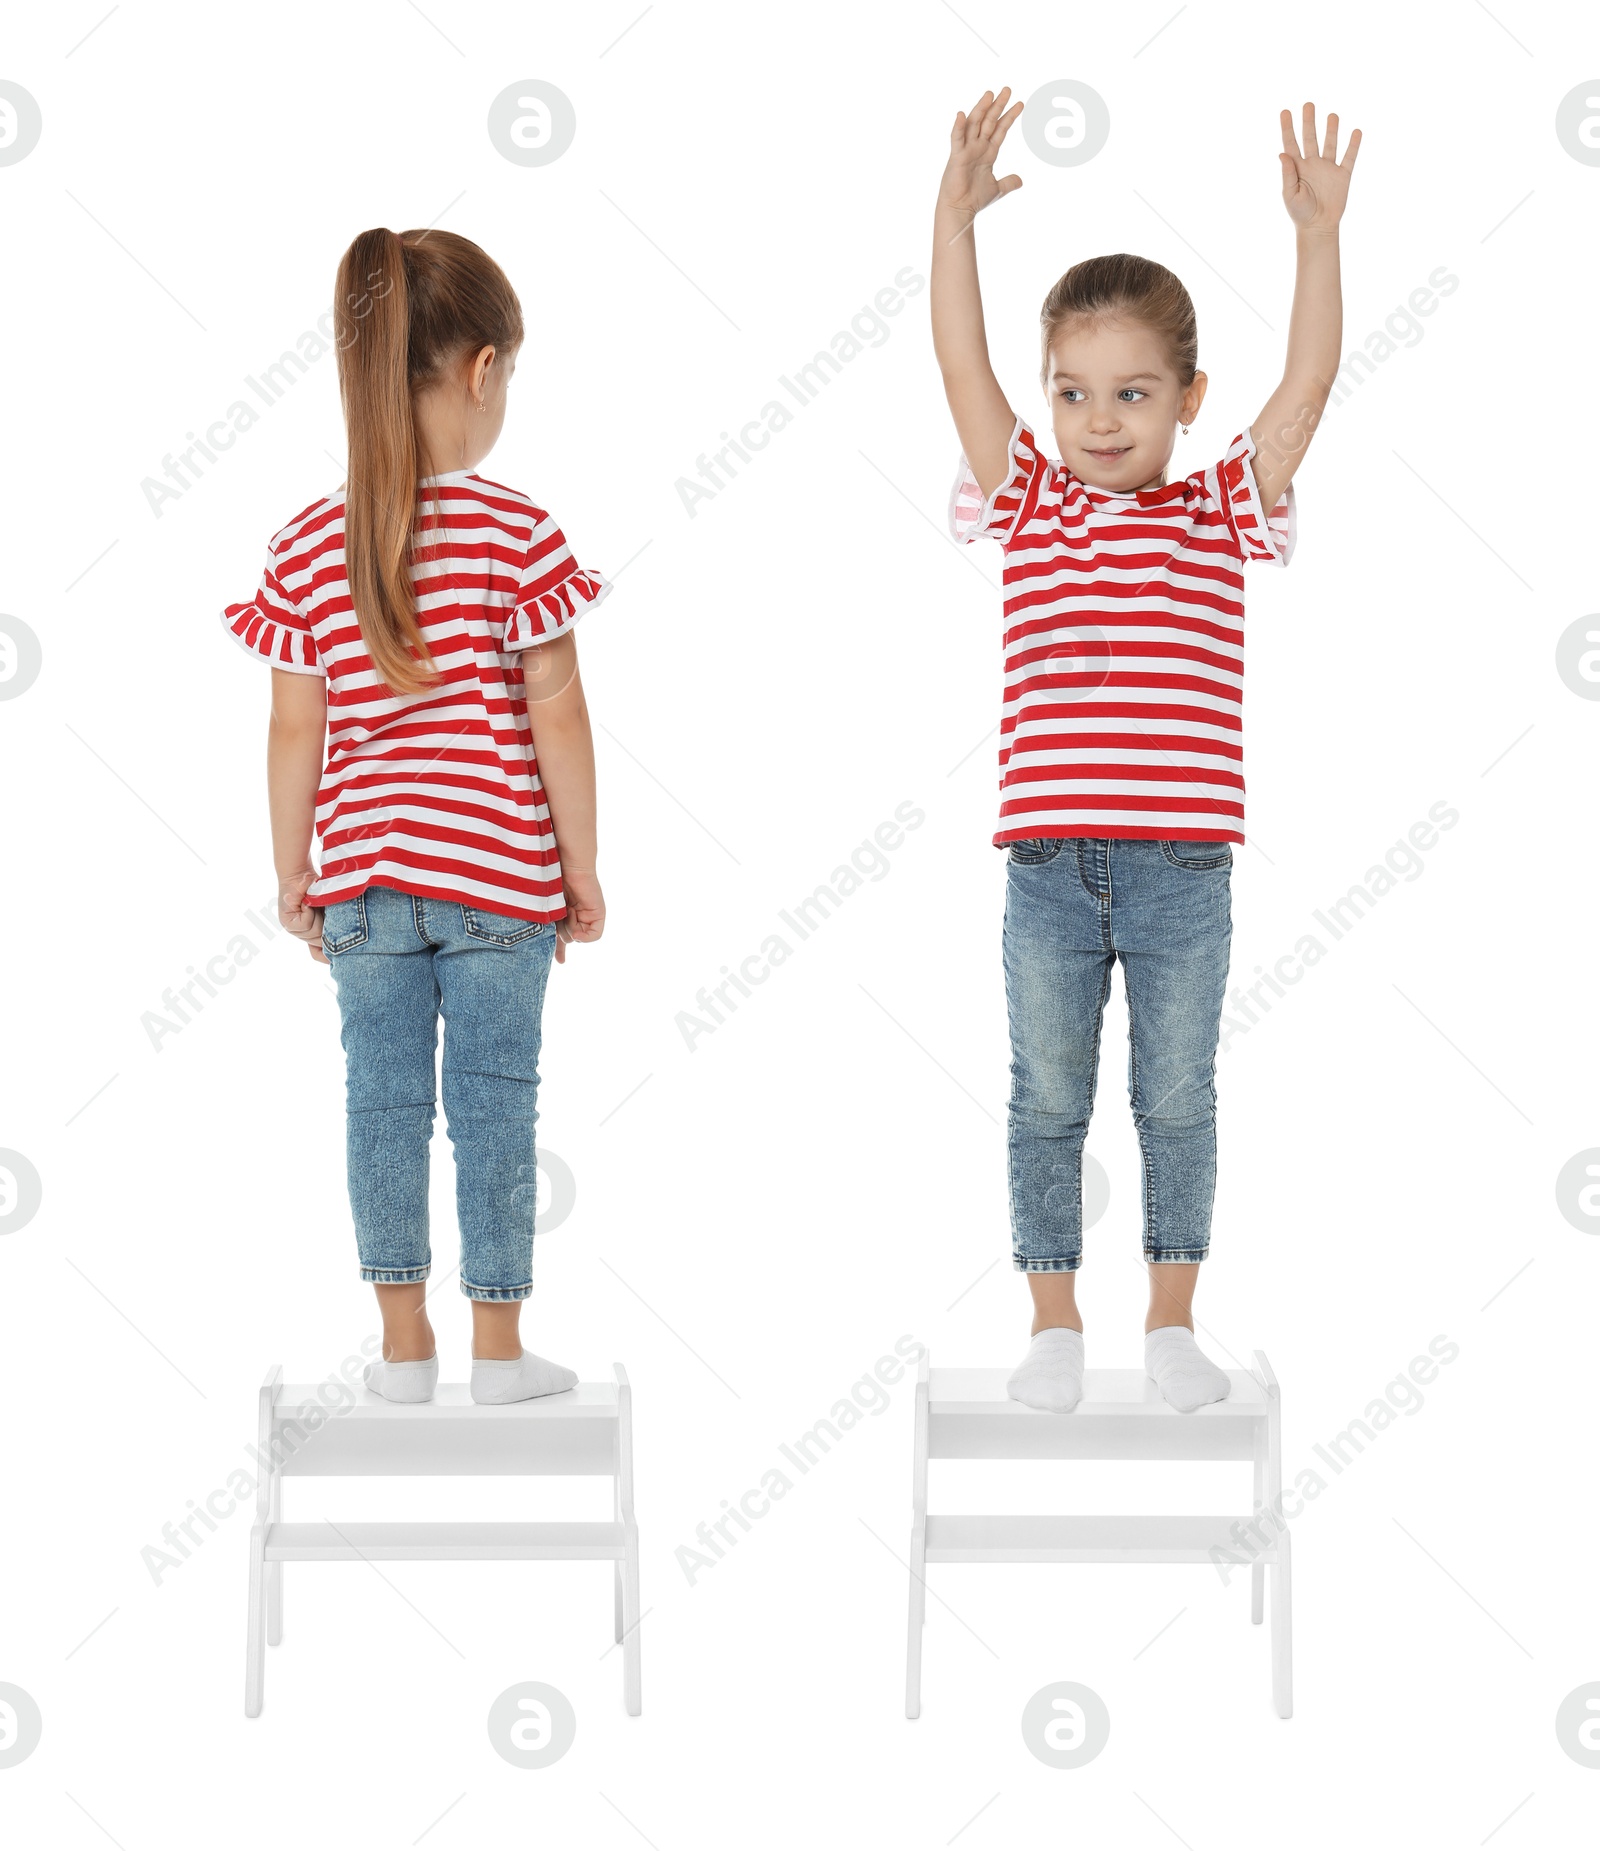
(478, 374)
(1193, 399)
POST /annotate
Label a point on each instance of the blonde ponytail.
(407, 305)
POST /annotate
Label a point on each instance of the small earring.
(482, 406)
(1186, 430)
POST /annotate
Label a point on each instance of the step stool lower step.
(1092, 1538)
(446, 1542)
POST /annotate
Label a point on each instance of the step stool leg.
(630, 1624)
(1272, 1458)
(918, 1607)
(274, 1603)
(616, 1572)
(1282, 1697)
(255, 1646)
(919, 1580)
(918, 1603)
(1258, 1570)
(275, 1572)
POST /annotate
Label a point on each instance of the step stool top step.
(452, 1401)
(1117, 1393)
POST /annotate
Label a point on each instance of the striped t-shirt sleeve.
(272, 626)
(1231, 486)
(553, 590)
(998, 518)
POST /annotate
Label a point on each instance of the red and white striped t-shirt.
(1124, 643)
(436, 793)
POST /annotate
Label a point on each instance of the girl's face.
(1116, 404)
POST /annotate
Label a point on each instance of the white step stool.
(966, 1414)
(587, 1432)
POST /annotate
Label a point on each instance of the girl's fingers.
(958, 131)
(1286, 123)
(992, 114)
(986, 122)
(1308, 129)
(1330, 140)
(1349, 160)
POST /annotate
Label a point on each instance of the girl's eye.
(1071, 394)
(1131, 394)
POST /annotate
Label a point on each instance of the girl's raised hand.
(969, 183)
(1315, 186)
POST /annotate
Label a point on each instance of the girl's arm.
(563, 747)
(1315, 187)
(984, 419)
(294, 770)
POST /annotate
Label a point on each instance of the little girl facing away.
(1121, 789)
(420, 621)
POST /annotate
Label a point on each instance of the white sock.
(519, 1379)
(1187, 1378)
(1051, 1374)
(403, 1381)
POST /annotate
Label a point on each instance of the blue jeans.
(1074, 907)
(400, 962)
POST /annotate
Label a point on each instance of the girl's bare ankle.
(416, 1347)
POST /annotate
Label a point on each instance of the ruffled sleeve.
(553, 592)
(271, 627)
(1231, 485)
(1003, 514)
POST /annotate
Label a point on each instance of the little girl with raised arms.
(1121, 783)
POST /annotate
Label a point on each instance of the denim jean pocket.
(1034, 851)
(1198, 855)
(501, 929)
(344, 925)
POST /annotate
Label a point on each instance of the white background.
(824, 1173)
